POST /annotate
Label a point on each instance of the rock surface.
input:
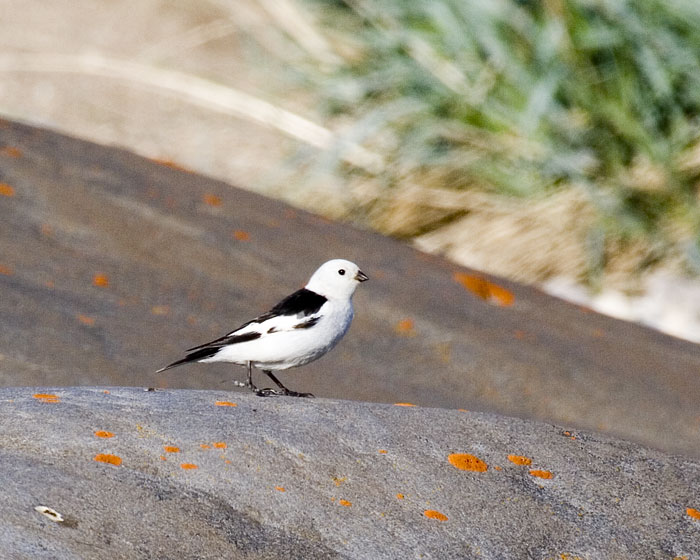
(214, 474)
(111, 265)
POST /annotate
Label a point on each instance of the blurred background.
(556, 143)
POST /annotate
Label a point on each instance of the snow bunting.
(299, 329)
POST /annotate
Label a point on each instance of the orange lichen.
(433, 514)
(404, 404)
(106, 392)
(108, 458)
(85, 320)
(100, 280)
(280, 488)
(6, 270)
(405, 327)
(219, 445)
(462, 410)
(240, 235)
(520, 460)
(205, 446)
(47, 398)
(541, 474)
(344, 503)
(171, 449)
(160, 310)
(104, 434)
(497, 468)
(383, 451)
(11, 151)
(225, 403)
(338, 481)
(484, 289)
(188, 466)
(400, 496)
(6, 190)
(692, 512)
(467, 462)
(171, 164)
(162, 458)
(211, 199)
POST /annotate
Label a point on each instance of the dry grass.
(528, 242)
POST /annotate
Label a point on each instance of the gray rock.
(303, 478)
(183, 267)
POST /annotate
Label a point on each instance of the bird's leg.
(284, 391)
(249, 383)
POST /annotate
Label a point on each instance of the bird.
(300, 329)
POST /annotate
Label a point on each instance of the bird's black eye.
(341, 272)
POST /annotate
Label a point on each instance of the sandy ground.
(174, 81)
(201, 84)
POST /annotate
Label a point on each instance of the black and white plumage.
(299, 329)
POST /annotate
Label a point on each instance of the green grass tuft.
(526, 97)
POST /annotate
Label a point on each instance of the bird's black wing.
(301, 303)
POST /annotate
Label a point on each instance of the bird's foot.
(269, 392)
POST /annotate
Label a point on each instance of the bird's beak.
(361, 276)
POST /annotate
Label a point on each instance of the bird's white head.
(336, 279)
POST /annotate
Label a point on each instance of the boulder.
(95, 473)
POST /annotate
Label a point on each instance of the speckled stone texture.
(111, 265)
(213, 474)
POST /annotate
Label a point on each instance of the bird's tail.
(196, 356)
(174, 364)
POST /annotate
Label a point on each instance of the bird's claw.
(305, 395)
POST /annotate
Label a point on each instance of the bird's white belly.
(290, 348)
